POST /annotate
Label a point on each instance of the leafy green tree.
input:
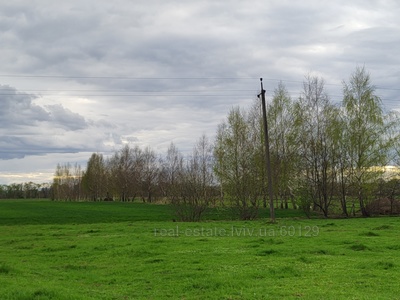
(340, 152)
(367, 134)
(314, 117)
(237, 163)
(283, 147)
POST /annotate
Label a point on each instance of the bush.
(384, 206)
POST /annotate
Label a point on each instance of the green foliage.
(237, 163)
(367, 134)
(314, 118)
(283, 148)
(322, 154)
(305, 199)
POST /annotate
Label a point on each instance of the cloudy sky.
(79, 77)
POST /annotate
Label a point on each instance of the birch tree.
(314, 117)
(283, 146)
(237, 165)
(366, 132)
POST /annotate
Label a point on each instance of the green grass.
(61, 250)
(25, 212)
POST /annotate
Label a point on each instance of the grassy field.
(61, 250)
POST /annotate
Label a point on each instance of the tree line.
(26, 190)
(326, 158)
(186, 182)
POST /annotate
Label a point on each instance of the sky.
(79, 77)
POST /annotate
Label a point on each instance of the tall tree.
(237, 163)
(366, 132)
(314, 117)
(283, 148)
(339, 148)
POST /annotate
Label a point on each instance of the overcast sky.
(79, 77)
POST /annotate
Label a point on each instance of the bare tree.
(149, 170)
(125, 167)
(64, 183)
(172, 168)
(193, 188)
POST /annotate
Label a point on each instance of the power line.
(173, 78)
(124, 90)
(123, 77)
(142, 95)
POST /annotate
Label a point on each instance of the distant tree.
(77, 175)
(67, 182)
(3, 191)
(172, 168)
(194, 186)
(45, 190)
(15, 191)
(31, 190)
(149, 171)
(57, 187)
(125, 168)
(62, 182)
(94, 180)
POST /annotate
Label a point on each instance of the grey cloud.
(208, 40)
(31, 129)
(65, 118)
(18, 147)
(17, 109)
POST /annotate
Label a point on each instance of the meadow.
(73, 250)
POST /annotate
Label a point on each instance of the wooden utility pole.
(267, 155)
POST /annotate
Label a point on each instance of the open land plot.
(102, 257)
